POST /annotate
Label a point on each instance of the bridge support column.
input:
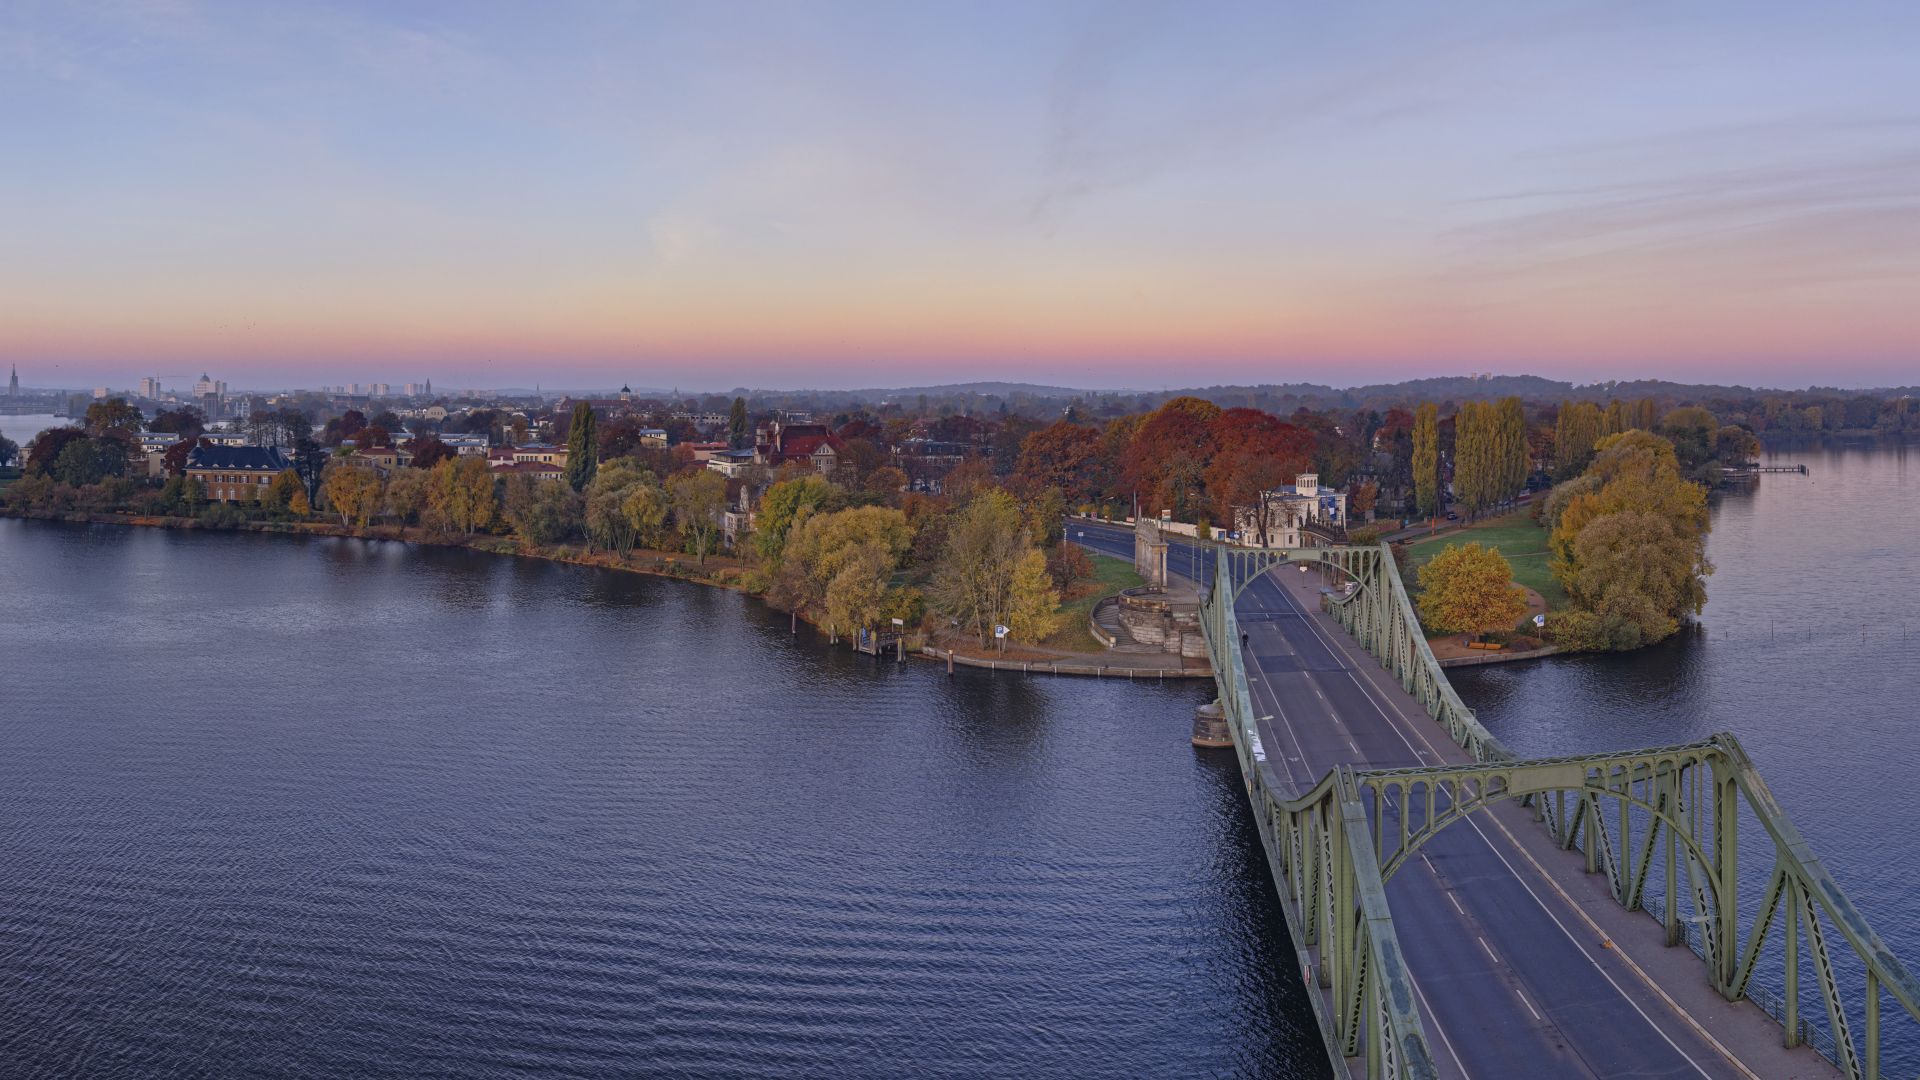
(1726, 859)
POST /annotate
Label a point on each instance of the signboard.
(899, 622)
(1539, 620)
(1000, 631)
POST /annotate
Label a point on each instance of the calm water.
(334, 809)
(1809, 652)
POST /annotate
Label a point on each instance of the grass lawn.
(1110, 575)
(1515, 536)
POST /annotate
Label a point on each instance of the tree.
(621, 506)
(1063, 455)
(698, 500)
(8, 448)
(886, 484)
(540, 511)
(113, 414)
(582, 447)
(990, 573)
(1167, 460)
(85, 461)
(739, 431)
(407, 491)
(840, 563)
(1629, 543)
(429, 451)
(354, 493)
(47, 447)
(186, 421)
(1426, 459)
(1469, 589)
(462, 493)
(280, 492)
(782, 505)
(1258, 454)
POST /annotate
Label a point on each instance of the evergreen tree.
(583, 447)
(738, 434)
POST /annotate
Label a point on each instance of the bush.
(222, 515)
(1068, 563)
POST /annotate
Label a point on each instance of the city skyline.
(1100, 196)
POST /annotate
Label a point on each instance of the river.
(1809, 652)
(329, 808)
(323, 808)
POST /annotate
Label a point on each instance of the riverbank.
(722, 572)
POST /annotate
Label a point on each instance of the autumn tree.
(625, 506)
(784, 503)
(1629, 544)
(1426, 458)
(990, 573)
(462, 494)
(353, 491)
(582, 447)
(540, 511)
(1257, 454)
(1063, 455)
(1166, 463)
(113, 414)
(429, 451)
(698, 498)
(407, 491)
(280, 492)
(839, 564)
(1468, 588)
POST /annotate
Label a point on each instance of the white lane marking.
(1429, 862)
(1483, 944)
(1582, 949)
(1456, 902)
(1390, 717)
(1437, 1025)
(1529, 1005)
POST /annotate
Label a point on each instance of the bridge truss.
(1662, 823)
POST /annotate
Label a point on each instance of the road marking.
(1529, 1005)
(1391, 716)
(1456, 904)
(1437, 1025)
(1483, 941)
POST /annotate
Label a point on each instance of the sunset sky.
(795, 194)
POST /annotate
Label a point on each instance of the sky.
(797, 194)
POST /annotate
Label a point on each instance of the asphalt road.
(1509, 981)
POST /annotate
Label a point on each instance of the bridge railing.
(1331, 888)
(1689, 796)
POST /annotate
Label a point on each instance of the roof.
(529, 467)
(805, 445)
(244, 458)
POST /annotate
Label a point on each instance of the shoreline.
(727, 573)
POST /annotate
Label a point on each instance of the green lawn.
(1110, 575)
(1516, 537)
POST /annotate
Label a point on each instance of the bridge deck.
(1502, 931)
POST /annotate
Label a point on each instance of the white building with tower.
(1283, 513)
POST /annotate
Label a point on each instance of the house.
(539, 470)
(703, 452)
(730, 463)
(147, 456)
(537, 453)
(778, 442)
(236, 473)
(653, 437)
(1287, 510)
(382, 459)
(467, 445)
(736, 521)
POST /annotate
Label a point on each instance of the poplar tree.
(1426, 458)
(737, 433)
(583, 448)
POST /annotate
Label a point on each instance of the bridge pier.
(1210, 726)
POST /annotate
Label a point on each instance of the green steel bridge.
(1660, 829)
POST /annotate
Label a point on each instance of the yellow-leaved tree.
(1469, 589)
